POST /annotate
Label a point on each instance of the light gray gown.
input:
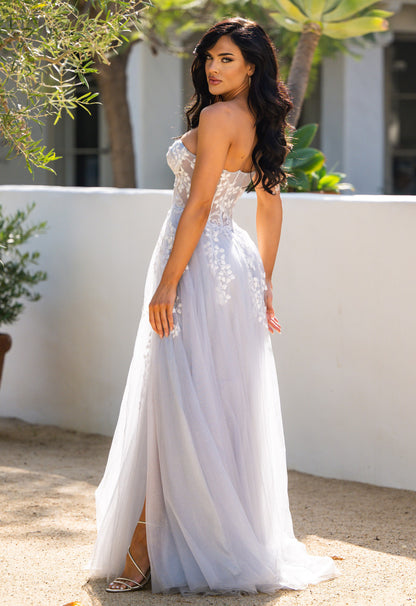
(200, 431)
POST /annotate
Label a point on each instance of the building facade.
(366, 110)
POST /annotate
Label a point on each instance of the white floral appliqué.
(220, 269)
(218, 227)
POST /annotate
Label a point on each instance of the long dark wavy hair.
(268, 97)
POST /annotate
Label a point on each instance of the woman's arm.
(214, 140)
(269, 225)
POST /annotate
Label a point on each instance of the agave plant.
(306, 166)
(338, 19)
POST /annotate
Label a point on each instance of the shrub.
(17, 276)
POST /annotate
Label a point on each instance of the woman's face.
(226, 69)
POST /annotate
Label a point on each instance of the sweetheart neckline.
(224, 170)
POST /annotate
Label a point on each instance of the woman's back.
(230, 187)
(242, 127)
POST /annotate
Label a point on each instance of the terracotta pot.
(5, 345)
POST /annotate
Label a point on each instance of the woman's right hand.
(161, 309)
(272, 321)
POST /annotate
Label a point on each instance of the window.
(84, 146)
(401, 116)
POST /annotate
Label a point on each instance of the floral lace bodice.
(218, 236)
(230, 186)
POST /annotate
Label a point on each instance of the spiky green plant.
(339, 19)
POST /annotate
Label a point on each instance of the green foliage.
(306, 166)
(334, 18)
(49, 47)
(46, 50)
(175, 24)
(17, 277)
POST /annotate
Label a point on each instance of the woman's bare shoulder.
(228, 115)
(215, 119)
(217, 111)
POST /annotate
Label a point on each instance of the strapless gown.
(199, 432)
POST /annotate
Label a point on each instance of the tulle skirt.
(200, 436)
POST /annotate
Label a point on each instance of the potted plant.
(17, 277)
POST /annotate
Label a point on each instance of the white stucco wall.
(345, 295)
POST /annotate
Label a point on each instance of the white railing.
(345, 293)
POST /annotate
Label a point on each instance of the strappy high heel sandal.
(125, 581)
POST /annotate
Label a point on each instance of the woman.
(196, 485)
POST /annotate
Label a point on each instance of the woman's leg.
(138, 549)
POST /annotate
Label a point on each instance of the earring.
(249, 81)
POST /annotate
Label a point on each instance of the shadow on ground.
(47, 481)
(53, 461)
(95, 590)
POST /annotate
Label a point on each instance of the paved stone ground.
(47, 530)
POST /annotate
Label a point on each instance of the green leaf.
(379, 13)
(308, 159)
(290, 9)
(53, 49)
(298, 180)
(315, 8)
(355, 27)
(328, 181)
(286, 22)
(17, 278)
(314, 181)
(304, 135)
(348, 8)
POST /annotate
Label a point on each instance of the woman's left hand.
(272, 321)
(161, 309)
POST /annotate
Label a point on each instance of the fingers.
(164, 320)
(170, 317)
(274, 325)
(272, 322)
(161, 309)
(152, 317)
(158, 321)
(161, 319)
